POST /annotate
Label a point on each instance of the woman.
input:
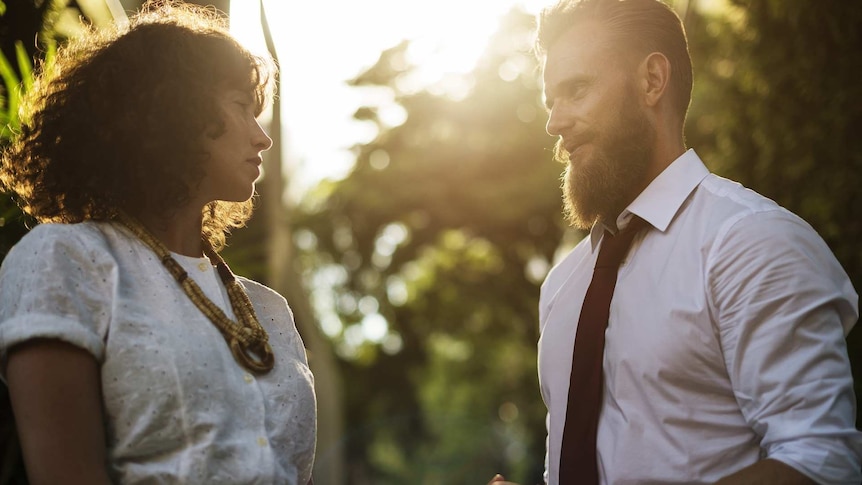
(131, 352)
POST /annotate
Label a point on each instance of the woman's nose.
(261, 140)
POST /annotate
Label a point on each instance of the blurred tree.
(778, 107)
(445, 228)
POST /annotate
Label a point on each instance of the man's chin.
(576, 212)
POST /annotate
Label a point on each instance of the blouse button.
(248, 378)
(203, 266)
(261, 441)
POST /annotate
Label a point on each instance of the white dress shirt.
(178, 408)
(725, 343)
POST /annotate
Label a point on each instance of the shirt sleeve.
(57, 283)
(783, 306)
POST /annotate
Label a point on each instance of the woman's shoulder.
(46, 241)
(50, 233)
(258, 292)
(264, 298)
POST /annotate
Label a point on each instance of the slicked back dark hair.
(637, 27)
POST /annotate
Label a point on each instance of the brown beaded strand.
(247, 339)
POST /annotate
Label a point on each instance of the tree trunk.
(285, 278)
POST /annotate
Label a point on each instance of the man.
(723, 356)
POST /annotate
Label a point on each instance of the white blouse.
(178, 407)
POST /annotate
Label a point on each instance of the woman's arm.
(55, 390)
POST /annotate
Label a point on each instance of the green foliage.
(438, 223)
(13, 223)
(11, 468)
(11, 230)
(18, 79)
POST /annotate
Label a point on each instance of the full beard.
(599, 188)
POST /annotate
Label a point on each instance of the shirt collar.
(663, 197)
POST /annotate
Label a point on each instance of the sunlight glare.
(374, 327)
(245, 25)
(321, 45)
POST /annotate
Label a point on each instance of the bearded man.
(697, 335)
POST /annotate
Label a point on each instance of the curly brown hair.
(117, 122)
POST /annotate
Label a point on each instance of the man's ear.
(654, 77)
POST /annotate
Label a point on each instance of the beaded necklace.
(248, 341)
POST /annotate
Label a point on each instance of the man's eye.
(573, 92)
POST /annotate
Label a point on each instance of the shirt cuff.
(827, 461)
(22, 328)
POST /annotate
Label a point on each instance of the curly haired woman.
(131, 352)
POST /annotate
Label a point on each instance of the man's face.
(605, 137)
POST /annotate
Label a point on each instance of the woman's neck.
(180, 233)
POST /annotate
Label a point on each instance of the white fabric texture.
(725, 342)
(178, 407)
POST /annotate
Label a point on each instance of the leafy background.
(449, 221)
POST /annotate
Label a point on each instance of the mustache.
(561, 154)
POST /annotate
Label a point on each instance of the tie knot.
(614, 248)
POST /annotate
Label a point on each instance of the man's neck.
(666, 151)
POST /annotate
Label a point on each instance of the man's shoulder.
(723, 191)
(718, 204)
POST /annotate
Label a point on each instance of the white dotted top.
(178, 407)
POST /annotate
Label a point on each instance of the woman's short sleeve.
(57, 282)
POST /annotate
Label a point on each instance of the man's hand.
(500, 480)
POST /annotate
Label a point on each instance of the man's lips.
(574, 144)
(573, 149)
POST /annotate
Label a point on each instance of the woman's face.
(234, 159)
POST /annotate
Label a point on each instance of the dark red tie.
(578, 463)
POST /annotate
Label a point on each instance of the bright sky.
(322, 44)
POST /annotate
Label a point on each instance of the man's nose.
(554, 127)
